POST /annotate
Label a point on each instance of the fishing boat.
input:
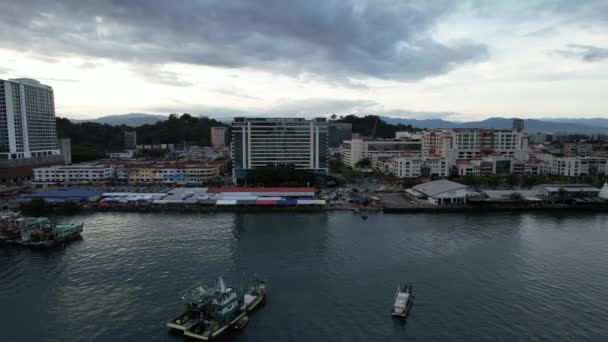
(197, 300)
(228, 308)
(42, 235)
(404, 299)
(254, 296)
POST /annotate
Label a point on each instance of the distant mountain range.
(132, 119)
(596, 125)
(531, 125)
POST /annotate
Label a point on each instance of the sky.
(456, 60)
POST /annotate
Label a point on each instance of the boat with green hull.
(223, 308)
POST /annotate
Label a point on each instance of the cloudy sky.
(459, 60)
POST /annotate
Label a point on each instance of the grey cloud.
(387, 39)
(4, 70)
(234, 92)
(587, 53)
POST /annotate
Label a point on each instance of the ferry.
(197, 299)
(404, 299)
(228, 309)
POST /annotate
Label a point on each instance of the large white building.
(471, 143)
(218, 136)
(441, 192)
(357, 149)
(575, 166)
(294, 143)
(74, 174)
(27, 120)
(414, 167)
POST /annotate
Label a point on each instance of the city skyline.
(421, 59)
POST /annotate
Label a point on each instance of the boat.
(241, 323)
(42, 234)
(364, 215)
(228, 308)
(197, 300)
(404, 299)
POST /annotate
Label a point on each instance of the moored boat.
(227, 308)
(197, 299)
(404, 299)
(48, 235)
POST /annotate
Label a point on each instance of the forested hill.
(91, 141)
(372, 125)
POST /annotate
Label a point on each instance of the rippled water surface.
(331, 276)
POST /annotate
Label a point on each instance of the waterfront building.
(65, 146)
(219, 136)
(604, 192)
(130, 140)
(28, 136)
(339, 132)
(567, 191)
(172, 173)
(74, 174)
(441, 192)
(63, 195)
(357, 149)
(295, 143)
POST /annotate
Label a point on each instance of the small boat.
(364, 215)
(254, 296)
(241, 323)
(404, 299)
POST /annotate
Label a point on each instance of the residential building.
(65, 146)
(121, 155)
(130, 140)
(358, 148)
(414, 167)
(472, 143)
(169, 147)
(441, 192)
(280, 143)
(578, 148)
(28, 136)
(339, 132)
(568, 167)
(219, 136)
(74, 174)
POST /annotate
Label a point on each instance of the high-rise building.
(28, 136)
(279, 142)
(131, 141)
(518, 124)
(218, 136)
(65, 146)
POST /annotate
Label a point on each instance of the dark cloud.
(587, 53)
(387, 39)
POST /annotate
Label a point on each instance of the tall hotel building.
(279, 142)
(28, 137)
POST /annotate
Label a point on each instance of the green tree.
(364, 163)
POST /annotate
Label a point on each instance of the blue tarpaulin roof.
(68, 193)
